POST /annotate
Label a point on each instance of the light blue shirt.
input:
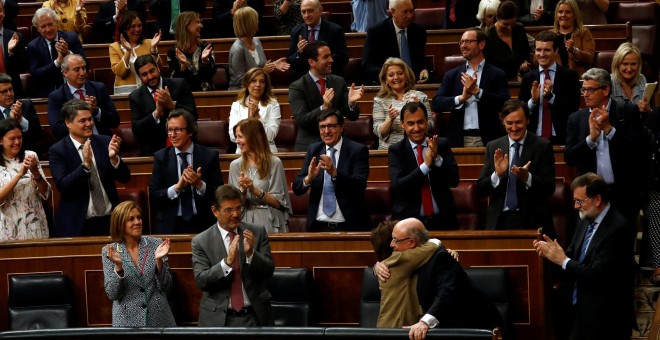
(531, 105)
(602, 148)
(471, 117)
(366, 13)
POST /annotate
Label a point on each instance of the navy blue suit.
(17, 62)
(109, 116)
(45, 75)
(329, 32)
(165, 174)
(73, 182)
(350, 183)
(495, 92)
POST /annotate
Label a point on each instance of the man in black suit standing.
(474, 94)
(397, 37)
(11, 12)
(518, 175)
(550, 105)
(76, 86)
(152, 102)
(319, 90)
(184, 179)
(164, 11)
(536, 12)
(314, 28)
(599, 263)
(336, 170)
(422, 171)
(461, 13)
(14, 59)
(22, 111)
(108, 19)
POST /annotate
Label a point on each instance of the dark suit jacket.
(224, 20)
(34, 132)
(207, 251)
(527, 18)
(381, 43)
(495, 92)
(109, 116)
(17, 62)
(532, 201)
(351, 182)
(567, 99)
(45, 75)
(162, 9)
(445, 291)
(466, 14)
(151, 134)
(407, 180)
(607, 268)
(104, 25)
(305, 100)
(329, 32)
(73, 181)
(165, 174)
(11, 12)
(624, 158)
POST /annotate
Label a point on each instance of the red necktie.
(452, 11)
(311, 34)
(546, 124)
(427, 201)
(2, 61)
(236, 282)
(80, 94)
(322, 83)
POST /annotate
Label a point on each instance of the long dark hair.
(7, 125)
(126, 21)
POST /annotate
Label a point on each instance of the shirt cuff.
(457, 103)
(530, 104)
(225, 267)
(528, 183)
(202, 190)
(425, 169)
(248, 259)
(430, 320)
(590, 144)
(116, 166)
(608, 135)
(563, 264)
(171, 193)
(494, 180)
(24, 124)
(438, 162)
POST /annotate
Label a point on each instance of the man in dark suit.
(22, 111)
(443, 289)
(108, 19)
(11, 12)
(421, 179)
(319, 90)
(542, 14)
(540, 94)
(336, 169)
(45, 52)
(162, 9)
(85, 167)
(231, 271)
(223, 16)
(323, 30)
(518, 175)
(461, 13)
(605, 138)
(152, 102)
(599, 262)
(474, 94)
(396, 37)
(76, 86)
(184, 179)
(14, 59)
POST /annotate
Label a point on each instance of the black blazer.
(109, 116)
(495, 92)
(45, 75)
(381, 43)
(165, 174)
(73, 182)
(604, 279)
(17, 62)
(567, 99)
(329, 32)
(527, 19)
(34, 132)
(104, 25)
(625, 117)
(162, 9)
(532, 201)
(351, 182)
(407, 180)
(151, 134)
(223, 20)
(305, 100)
(11, 12)
(466, 14)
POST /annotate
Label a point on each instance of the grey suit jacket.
(207, 252)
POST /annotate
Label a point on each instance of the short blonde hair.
(246, 22)
(485, 7)
(579, 24)
(382, 76)
(119, 218)
(621, 52)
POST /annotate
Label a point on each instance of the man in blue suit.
(77, 86)
(45, 53)
(14, 60)
(474, 94)
(336, 170)
(85, 167)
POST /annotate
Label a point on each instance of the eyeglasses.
(328, 126)
(580, 202)
(399, 240)
(590, 90)
(6, 91)
(466, 41)
(172, 131)
(230, 211)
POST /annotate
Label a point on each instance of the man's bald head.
(408, 234)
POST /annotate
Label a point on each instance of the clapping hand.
(113, 148)
(16, 111)
(193, 177)
(302, 42)
(501, 162)
(31, 163)
(245, 183)
(80, 6)
(156, 39)
(183, 61)
(392, 113)
(163, 249)
(431, 150)
(312, 171)
(114, 256)
(253, 108)
(248, 242)
(522, 172)
(355, 94)
(12, 43)
(206, 53)
(328, 97)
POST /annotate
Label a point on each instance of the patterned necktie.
(583, 251)
(81, 95)
(95, 189)
(427, 200)
(546, 124)
(321, 82)
(405, 50)
(185, 196)
(511, 192)
(329, 189)
(237, 302)
(452, 11)
(311, 34)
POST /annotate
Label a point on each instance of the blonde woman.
(191, 58)
(71, 13)
(575, 43)
(628, 82)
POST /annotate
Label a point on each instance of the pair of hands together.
(248, 247)
(113, 151)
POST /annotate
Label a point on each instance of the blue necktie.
(511, 192)
(329, 189)
(583, 251)
(405, 50)
(185, 197)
